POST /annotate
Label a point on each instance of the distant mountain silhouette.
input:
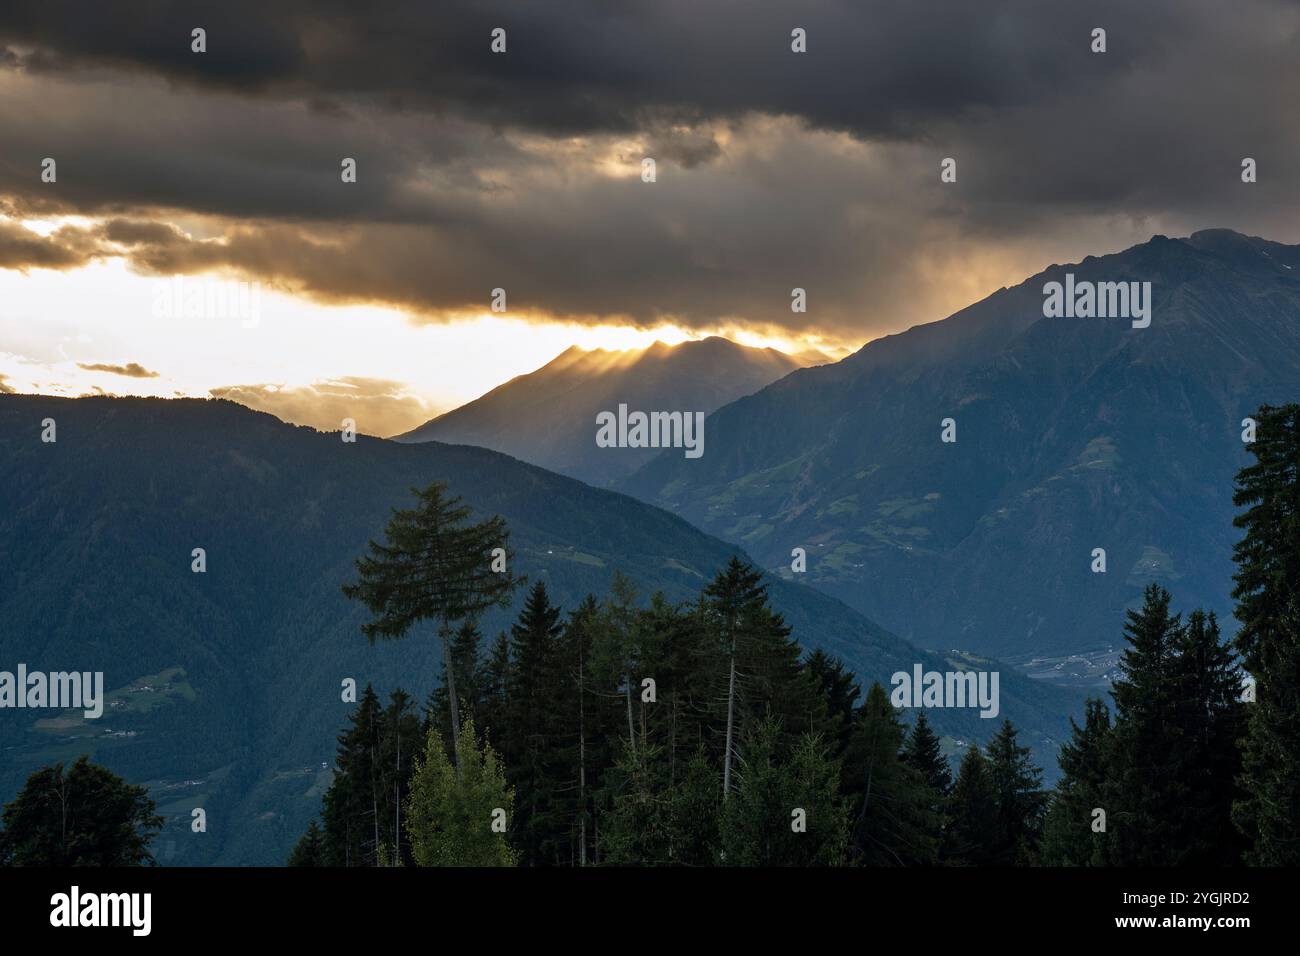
(548, 417)
(228, 682)
(1072, 434)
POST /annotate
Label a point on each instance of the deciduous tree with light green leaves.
(456, 819)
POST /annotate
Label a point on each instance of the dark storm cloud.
(581, 66)
(521, 171)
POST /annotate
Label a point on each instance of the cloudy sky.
(319, 299)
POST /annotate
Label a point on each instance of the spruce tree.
(619, 648)
(310, 848)
(581, 747)
(401, 734)
(492, 679)
(1267, 593)
(786, 809)
(533, 712)
(694, 805)
(1146, 789)
(971, 834)
(637, 828)
(763, 674)
(838, 688)
(1020, 800)
(1069, 837)
(1211, 722)
(923, 754)
(352, 803)
(895, 817)
(728, 600)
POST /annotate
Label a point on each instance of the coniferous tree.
(837, 686)
(433, 566)
(786, 809)
(1267, 593)
(464, 655)
(619, 648)
(362, 810)
(1147, 790)
(581, 751)
(310, 848)
(895, 820)
(492, 680)
(351, 811)
(450, 814)
(970, 837)
(533, 711)
(82, 815)
(728, 600)
(1070, 834)
(1211, 722)
(923, 754)
(401, 734)
(763, 672)
(637, 829)
(694, 805)
(811, 777)
(1020, 800)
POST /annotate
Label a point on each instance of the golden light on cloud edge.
(68, 328)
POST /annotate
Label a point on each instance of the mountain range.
(548, 417)
(1071, 435)
(225, 686)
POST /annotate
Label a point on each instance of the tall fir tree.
(729, 600)
(895, 811)
(924, 755)
(1020, 800)
(1073, 832)
(970, 839)
(1146, 789)
(582, 743)
(351, 811)
(534, 699)
(838, 687)
(401, 733)
(492, 679)
(1211, 721)
(638, 825)
(1267, 593)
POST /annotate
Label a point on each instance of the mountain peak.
(547, 416)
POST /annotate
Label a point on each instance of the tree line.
(646, 733)
(700, 734)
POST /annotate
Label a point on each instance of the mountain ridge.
(1071, 434)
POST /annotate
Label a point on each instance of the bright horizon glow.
(104, 314)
